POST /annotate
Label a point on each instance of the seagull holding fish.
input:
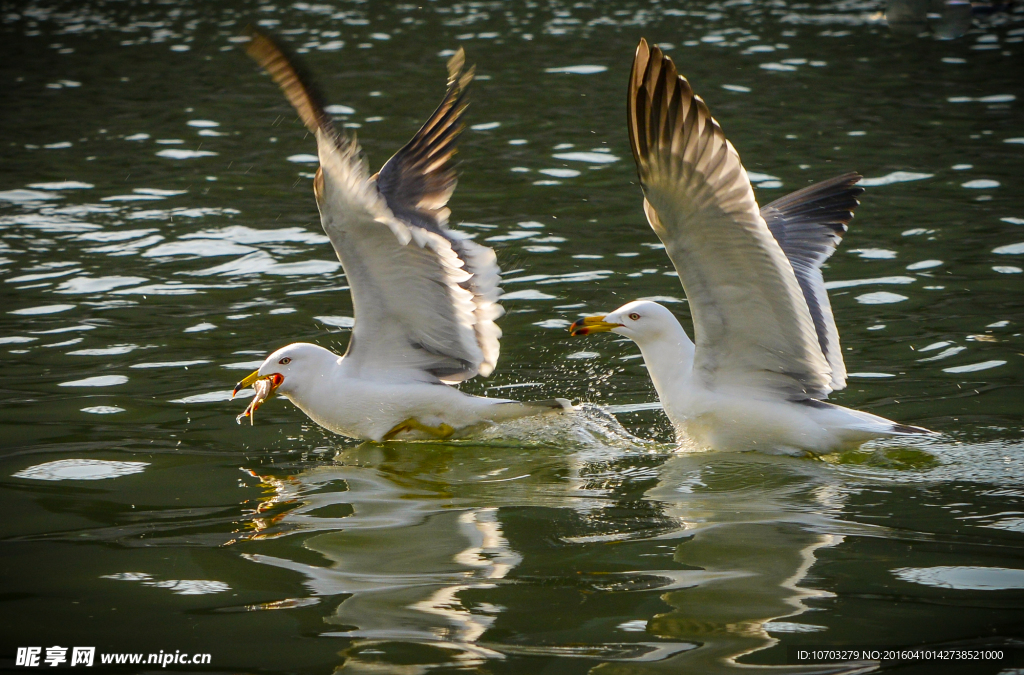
(425, 298)
(767, 349)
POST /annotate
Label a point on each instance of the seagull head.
(285, 371)
(640, 321)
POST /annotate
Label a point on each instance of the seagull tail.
(909, 430)
(515, 409)
(879, 427)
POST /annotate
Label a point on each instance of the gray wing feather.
(417, 183)
(420, 178)
(809, 224)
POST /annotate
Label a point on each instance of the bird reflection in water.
(439, 557)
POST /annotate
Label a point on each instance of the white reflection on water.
(963, 577)
(201, 248)
(553, 323)
(15, 339)
(338, 321)
(41, 309)
(924, 265)
(65, 329)
(170, 364)
(20, 196)
(583, 355)
(98, 381)
(980, 184)
(131, 198)
(50, 223)
(577, 70)
(894, 177)
(177, 586)
(873, 253)
(528, 294)
(244, 235)
(181, 212)
(27, 278)
(81, 469)
(185, 154)
(974, 367)
(1010, 249)
(215, 396)
(170, 288)
(590, 157)
(880, 298)
(559, 173)
(944, 354)
(243, 365)
(104, 351)
(97, 284)
(63, 185)
(790, 627)
(261, 262)
(117, 235)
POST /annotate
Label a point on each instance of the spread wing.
(424, 297)
(809, 224)
(751, 322)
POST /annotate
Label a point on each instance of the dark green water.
(138, 285)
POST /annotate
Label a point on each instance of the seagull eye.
(634, 316)
(285, 361)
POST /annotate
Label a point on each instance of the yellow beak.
(591, 324)
(246, 382)
(265, 387)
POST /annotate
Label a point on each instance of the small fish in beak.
(264, 386)
(591, 324)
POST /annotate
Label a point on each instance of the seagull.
(425, 297)
(767, 349)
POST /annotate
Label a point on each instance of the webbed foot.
(440, 432)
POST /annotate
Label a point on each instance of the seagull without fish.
(425, 297)
(767, 350)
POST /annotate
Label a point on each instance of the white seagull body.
(767, 350)
(425, 298)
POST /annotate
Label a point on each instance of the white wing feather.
(424, 299)
(751, 322)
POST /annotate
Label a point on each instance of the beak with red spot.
(592, 324)
(266, 386)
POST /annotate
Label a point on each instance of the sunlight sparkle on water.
(81, 469)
